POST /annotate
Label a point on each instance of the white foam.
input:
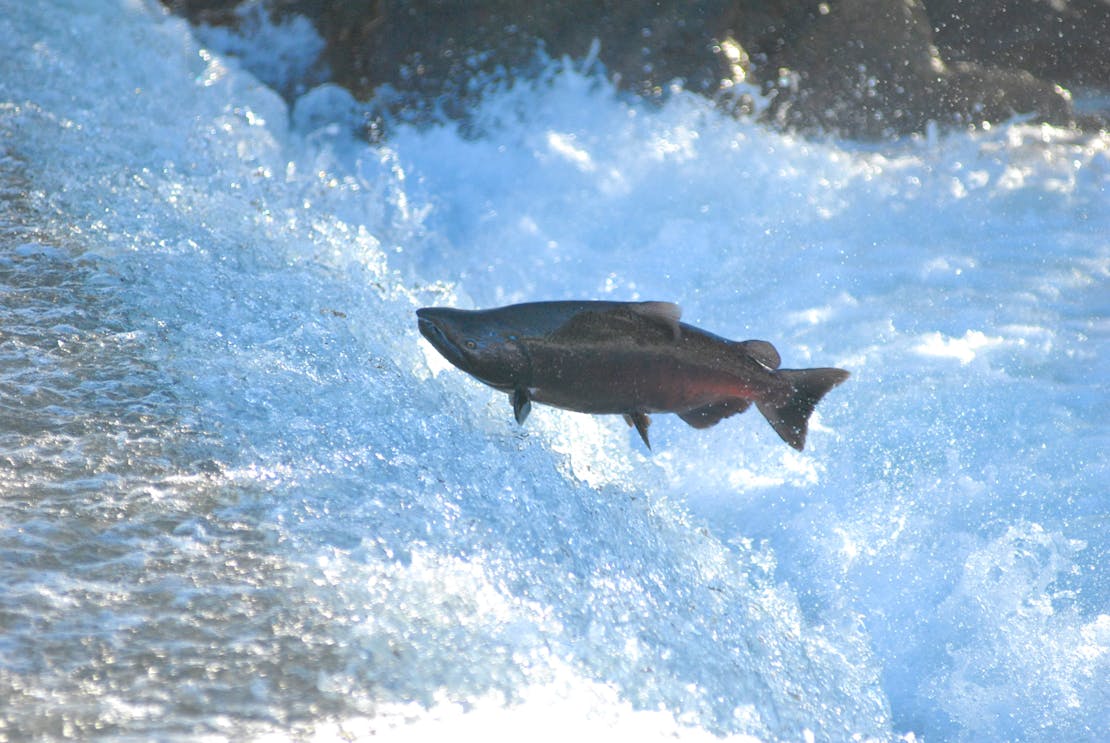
(268, 511)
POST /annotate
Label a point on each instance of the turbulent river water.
(241, 498)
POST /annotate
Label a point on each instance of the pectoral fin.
(522, 405)
(641, 421)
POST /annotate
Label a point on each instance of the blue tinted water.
(241, 497)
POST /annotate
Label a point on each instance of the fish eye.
(471, 345)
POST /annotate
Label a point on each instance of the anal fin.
(641, 421)
(714, 413)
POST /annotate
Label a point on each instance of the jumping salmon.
(628, 358)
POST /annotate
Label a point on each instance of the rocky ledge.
(858, 68)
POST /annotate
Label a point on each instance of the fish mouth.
(426, 324)
(438, 337)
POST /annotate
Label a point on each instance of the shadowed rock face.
(861, 68)
(870, 68)
(1065, 41)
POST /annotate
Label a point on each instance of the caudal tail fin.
(791, 419)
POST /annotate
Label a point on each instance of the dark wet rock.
(861, 68)
(976, 92)
(215, 12)
(1065, 41)
(436, 45)
(870, 68)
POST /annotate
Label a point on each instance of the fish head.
(476, 342)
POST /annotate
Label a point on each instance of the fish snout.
(431, 324)
(425, 321)
(429, 328)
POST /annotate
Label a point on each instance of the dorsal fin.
(763, 352)
(667, 313)
(622, 319)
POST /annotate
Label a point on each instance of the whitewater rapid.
(241, 498)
